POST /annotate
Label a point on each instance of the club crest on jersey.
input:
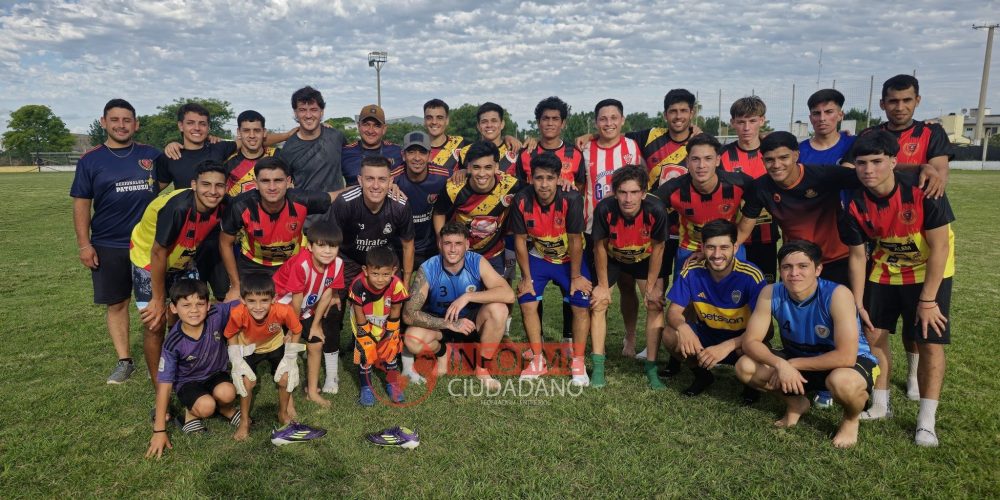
(777, 198)
(558, 221)
(725, 208)
(470, 288)
(216, 336)
(810, 193)
(274, 328)
(431, 198)
(361, 226)
(822, 331)
(628, 158)
(736, 295)
(292, 226)
(644, 232)
(906, 216)
(146, 164)
(387, 229)
(328, 282)
(566, 166)
(507, 200)
(911, 147)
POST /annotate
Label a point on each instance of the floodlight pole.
(986, 78)
(376, 60)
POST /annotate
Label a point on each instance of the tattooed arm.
(413, 312)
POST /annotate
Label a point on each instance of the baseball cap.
(372, 111)
(416, 138)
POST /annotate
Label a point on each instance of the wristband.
(922, 300)
(157, 432)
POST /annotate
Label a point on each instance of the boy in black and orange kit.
(376, 297)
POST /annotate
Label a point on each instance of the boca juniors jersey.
(722, 308)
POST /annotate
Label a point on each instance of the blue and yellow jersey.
(721, 308)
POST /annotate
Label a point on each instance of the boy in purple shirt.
(193, 362)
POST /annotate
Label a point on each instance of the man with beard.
(371, 129)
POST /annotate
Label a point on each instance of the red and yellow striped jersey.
(695, 209)
(665, 158)
(445, 155)
(571, 158)
(271, 239)
(629, 240)
(376, 304)
(484, 213)
(548, 227)
(172, 221)
(240, 176)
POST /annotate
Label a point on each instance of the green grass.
(63, 432)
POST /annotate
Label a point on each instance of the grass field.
(63, 432)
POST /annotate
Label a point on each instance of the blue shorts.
(709, 339)
(683, 254)
(543, 271)
(142, 283)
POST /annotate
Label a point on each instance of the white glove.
(240, 367)
(290, 365)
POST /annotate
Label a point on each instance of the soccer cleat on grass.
(673, 368)
(395, 393)
(367, 397)
(397, 437)
(702, 380)
(750, 395)
(823, 400)
(294, 432)
(536, 368)
(123, 370)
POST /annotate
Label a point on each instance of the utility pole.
(985, 82)
(868, 111)
(376, 60)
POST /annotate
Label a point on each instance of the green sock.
(651, 375)
(597, 374)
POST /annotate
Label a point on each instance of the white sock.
(407, 362)
(331, 360)
(880, 401)
(913, 362)
(507, 331)
(927, 414)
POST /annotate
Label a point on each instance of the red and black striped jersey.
(445, 155)
(808, 209)
(665, 158)
(751, 162)
(271, 239)
(897, 224)
(240, 176)
(484, 213)
(919, 142)
(507, 157)
(548, 226)
(695, 209)
(629, 240)
(571, 158)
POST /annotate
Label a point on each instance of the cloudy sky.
(75, 55)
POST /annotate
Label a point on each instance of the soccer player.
(719, 293)
(376, 298)
(482, 202)
(193, 362)
(827, 146)
(111, 188)
(271, 218)
(311, 282)
(193, 123)
(822, 343)
(630, 232)
(602, 156)
(490, 124)
(261, 330)
(171, 232)
(551, 219)
(469, 303)
(664, 149)
(747, 118)
(371, 129)
(313, 154)
(913, 261)
(251, 138)
(703, 194)
(443, 146)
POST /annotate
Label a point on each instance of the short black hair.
(629, 173)
(455, 227)
(547, 161)
(209, 166)
(675, 96)
(608, 102)
(381, 257)
(718, 227)
(704, 139)
(901, 82)
(826, 95)
(486, 107)
(376, 161)
(809, 248)
(192, 107)
(875, 142)
(551, 103)
(437, 103)
(186, 287)
(256, 284)
(249, 116)
(481, 149)
(775, 140)
(270, 163)
(306, 95)
(326, 232)
(118, 103)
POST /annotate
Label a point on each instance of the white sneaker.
(415, 378)
(331, 386)
(536, 368)
(580, 380)
(926, 437)
(642, 354)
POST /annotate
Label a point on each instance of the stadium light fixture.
(375, 60)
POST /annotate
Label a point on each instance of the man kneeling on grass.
(822, 343)
(193, 361)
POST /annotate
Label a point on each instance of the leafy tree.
(345, 125)
(858, 115)
(462, 121)
(579, 123)
(708, 125)
(33, 128)
(96, 133)
(642, 121)
(395, 131)
(160, 129)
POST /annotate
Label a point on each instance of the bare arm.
(845, 336)
(413, 311)
(81, 224)
(273, 138)
(408, 251)
(497, 289)
(438, 220)
(297, 303)
(656, 261)
(857, 263)
(757, 326)
(521, 250)
(744, 228)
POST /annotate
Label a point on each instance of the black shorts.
(211, 270)
(816, 380)
(113, 277)
(245, 266)
(669, 254)
(886, 303)
(453, 337)
(273, 358)
(837, 271)
(765, 257)
(191, 391)
(638, 271)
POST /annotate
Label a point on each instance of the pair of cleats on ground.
(367, 397)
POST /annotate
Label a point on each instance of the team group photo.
(266, 299)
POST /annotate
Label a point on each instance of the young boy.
(309, 282)
(376, 297)
(193, 361)
(256, 333)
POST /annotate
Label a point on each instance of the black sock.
(702, 379)
(125, 359)
(673, 367)
(441, 350)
